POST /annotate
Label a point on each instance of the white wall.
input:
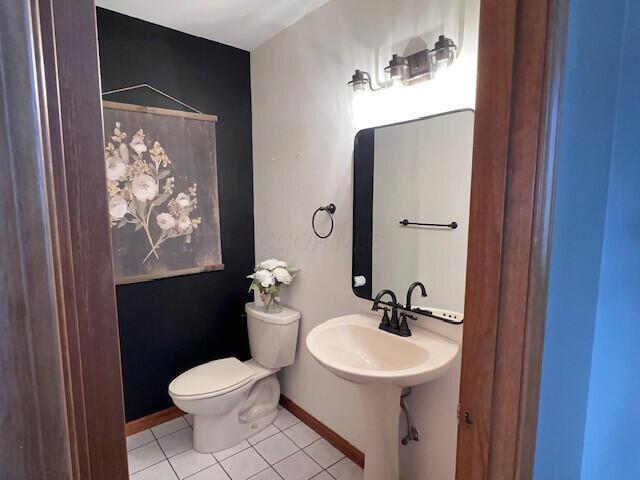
(303, 132)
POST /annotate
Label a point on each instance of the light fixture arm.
(371, 83)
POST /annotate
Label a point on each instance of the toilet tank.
(272, 336)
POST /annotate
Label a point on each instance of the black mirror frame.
(360, 137)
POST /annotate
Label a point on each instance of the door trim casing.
(61, 92)
(520, 70)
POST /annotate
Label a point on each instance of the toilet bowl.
(231, 400)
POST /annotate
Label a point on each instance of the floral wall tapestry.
(163, 192)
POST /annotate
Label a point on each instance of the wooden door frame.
(520, 70)
(63, 415)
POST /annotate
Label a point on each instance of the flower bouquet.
(141, 189)
(268, 277)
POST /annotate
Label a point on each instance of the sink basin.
(353, 348)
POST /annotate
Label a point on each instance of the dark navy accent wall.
(170, 325)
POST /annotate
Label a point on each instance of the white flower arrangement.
(270, 275)
(141, 189)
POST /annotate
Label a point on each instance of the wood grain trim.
(160, 111)
(152, 420)
(34, 436)
(523, 164)
(557, 28)
(63, 254)
(325, 432)
(91, 354)
(486, 226)
(521, 43)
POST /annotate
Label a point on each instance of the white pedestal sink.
(353, 348)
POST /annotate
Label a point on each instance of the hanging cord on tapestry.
(146, 85)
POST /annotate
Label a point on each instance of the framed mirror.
(412, 185)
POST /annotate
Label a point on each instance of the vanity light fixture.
(405, 70)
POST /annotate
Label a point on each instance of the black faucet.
(397, 326)
(391, 326)
(403, 329)
(410, 292)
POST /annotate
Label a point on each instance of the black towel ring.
(330, 209)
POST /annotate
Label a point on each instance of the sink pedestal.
(381, 408)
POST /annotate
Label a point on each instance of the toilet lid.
(219, 376)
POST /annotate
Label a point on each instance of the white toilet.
(232, 400)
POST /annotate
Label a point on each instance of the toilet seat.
(212, 379)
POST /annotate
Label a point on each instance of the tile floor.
(285, 450)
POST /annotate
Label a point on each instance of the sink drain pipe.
(412, 432)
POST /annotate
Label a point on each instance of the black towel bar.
(452, 225)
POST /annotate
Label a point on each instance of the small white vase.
(271, 303)
(268, 303)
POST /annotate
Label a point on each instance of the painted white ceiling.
(244, 24)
